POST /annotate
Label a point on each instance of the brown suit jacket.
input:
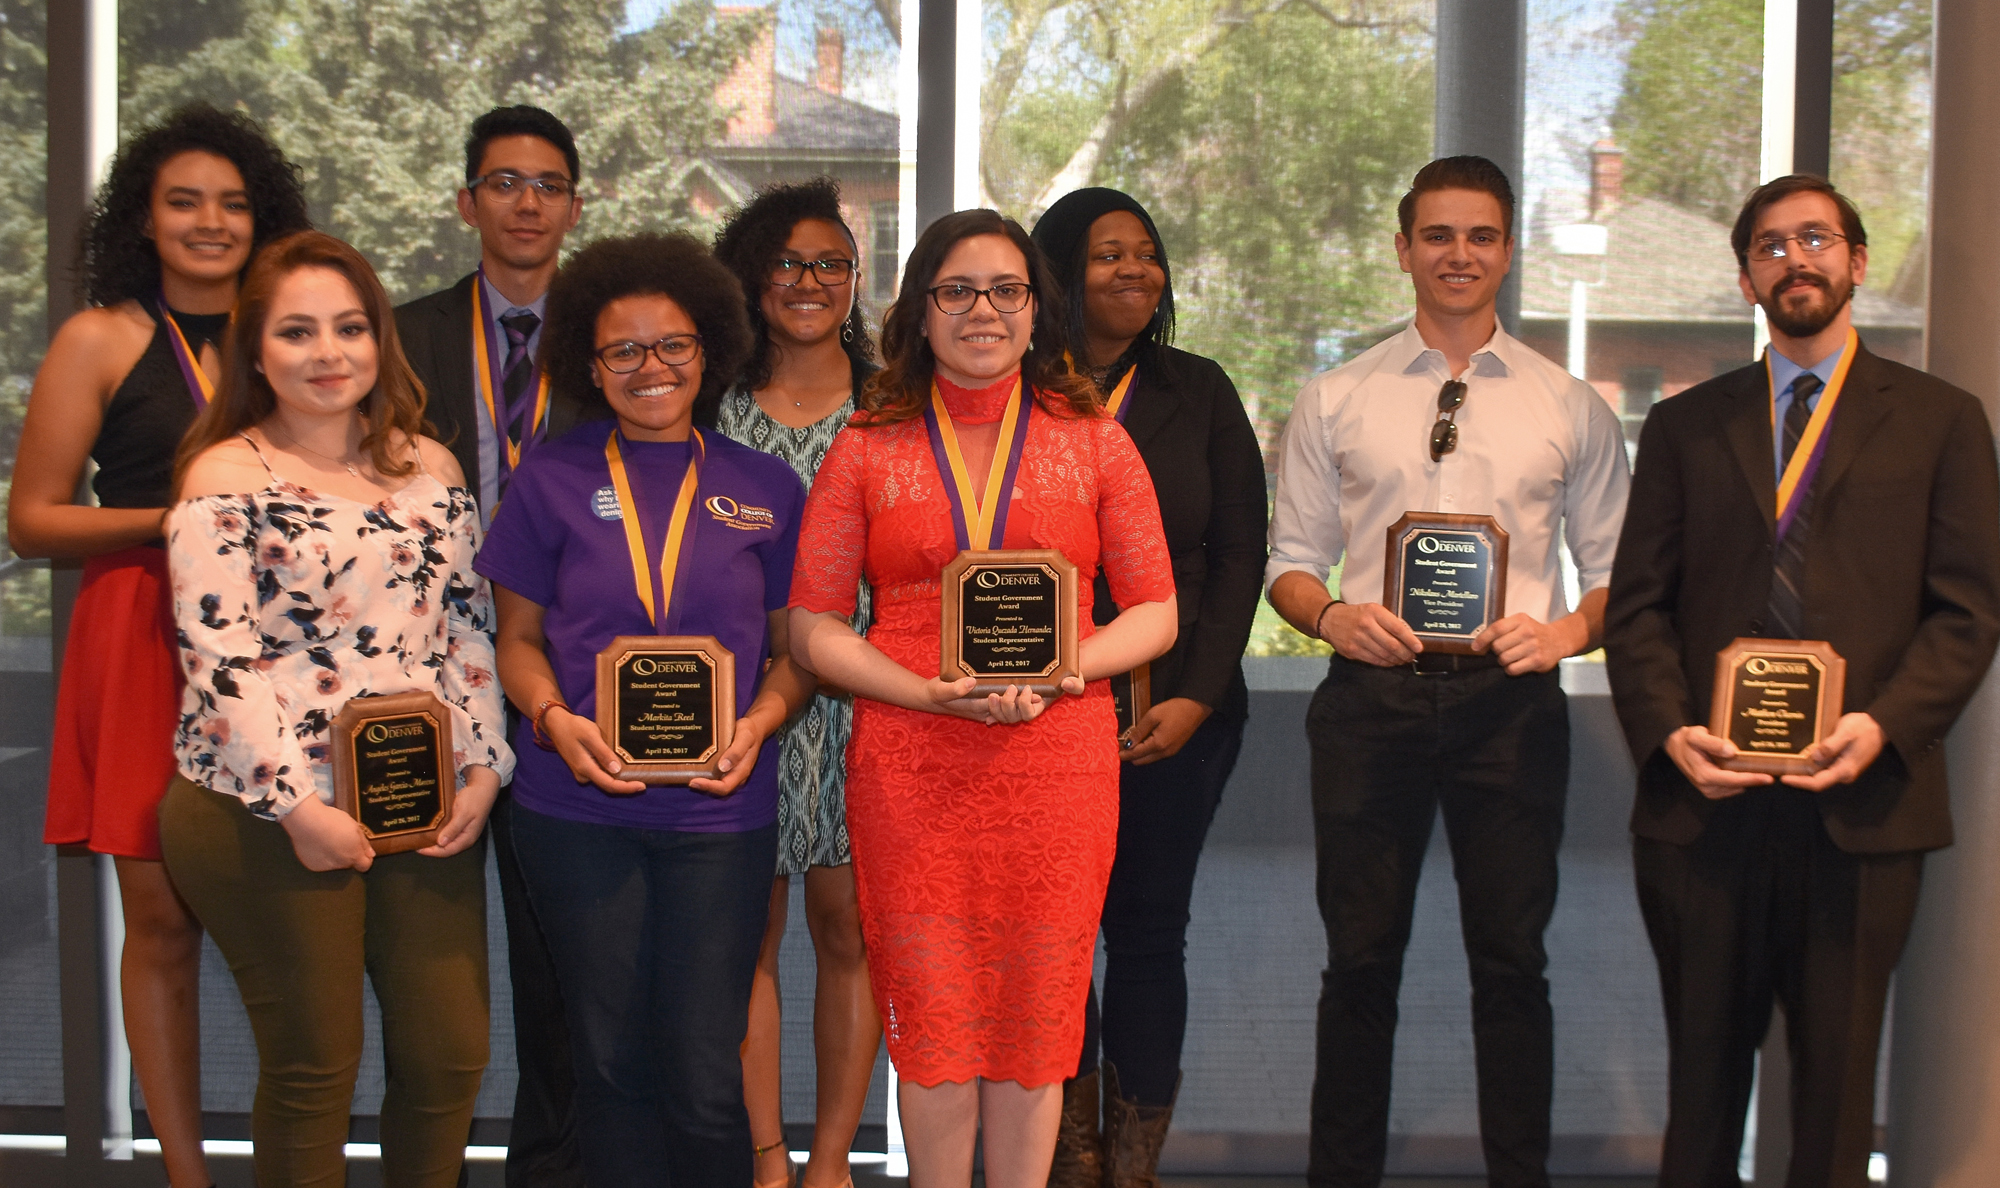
(1902, 578)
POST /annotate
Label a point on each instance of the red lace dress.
(981, 853)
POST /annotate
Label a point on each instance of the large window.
(30, 1045)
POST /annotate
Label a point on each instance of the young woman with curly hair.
(794, 254)
(638, 522)
(983, 828)
(186, 203)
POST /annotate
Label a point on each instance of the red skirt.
(117, 706)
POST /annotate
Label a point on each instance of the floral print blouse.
(288, 603)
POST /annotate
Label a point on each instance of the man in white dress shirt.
(1451, 415)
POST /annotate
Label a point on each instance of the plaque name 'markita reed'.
(1446, 577)
(666, 704)
(1009, 615)
(393, 769)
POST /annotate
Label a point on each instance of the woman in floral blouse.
(322, 550)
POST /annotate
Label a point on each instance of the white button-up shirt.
(1538, 450)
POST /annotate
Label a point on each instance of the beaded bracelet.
(542, 739)
(1319, 620)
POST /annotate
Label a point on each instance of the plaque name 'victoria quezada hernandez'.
(393, 769)
(1446, 577)
(1008, 615)
(666, 704)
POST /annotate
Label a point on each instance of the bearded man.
(1822, 494)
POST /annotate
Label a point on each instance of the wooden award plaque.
(393, 768)
(1446, 577)
(1776, 698)
(667, 705)
(1009, 619)
(1131, 697)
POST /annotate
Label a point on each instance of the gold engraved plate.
(1775, 699)
(666, 704)
(1009, 619)
(393, 769)
(1446, 577)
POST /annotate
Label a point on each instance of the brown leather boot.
(1133, 1136)
(1079, 1161)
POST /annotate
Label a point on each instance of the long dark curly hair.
(902, 389)
(675, 266)
(119, 259)
(753, 239)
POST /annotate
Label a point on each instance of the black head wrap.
(1063, 234)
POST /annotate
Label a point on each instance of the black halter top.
(148, 416)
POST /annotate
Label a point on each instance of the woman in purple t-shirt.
(653, 897)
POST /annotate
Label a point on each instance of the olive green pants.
(298, 943)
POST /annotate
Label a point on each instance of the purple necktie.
(517, 371)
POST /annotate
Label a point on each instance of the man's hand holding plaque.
(1446, 576)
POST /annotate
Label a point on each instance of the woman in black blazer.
(1189, 425)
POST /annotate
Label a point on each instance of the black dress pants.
(1390, 748)
(1764, 906)
(1164, 810)
(541, 1144)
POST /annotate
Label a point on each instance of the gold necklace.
(315, 453)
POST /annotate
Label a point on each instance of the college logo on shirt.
(747, 519)
(604, 502)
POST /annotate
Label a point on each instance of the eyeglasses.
(1812, 242)
(787, 274)
(508, 187)
(1008, 297)
(623, 358)
(1444, 433)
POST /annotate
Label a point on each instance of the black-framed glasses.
(1444, 432)
(623, 358)
(832, 271)
(1811, 241)
(507, 186)
(1006, 297)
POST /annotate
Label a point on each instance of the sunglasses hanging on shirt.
(1444, 433)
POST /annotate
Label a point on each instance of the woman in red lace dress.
(983, 828)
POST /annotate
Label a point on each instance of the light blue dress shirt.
(1784, 373)
(497, 307)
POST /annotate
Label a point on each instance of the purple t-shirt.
(558, 540)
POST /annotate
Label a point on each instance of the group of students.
(304, 497)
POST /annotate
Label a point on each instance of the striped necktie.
(516, 371)
(1788, 577)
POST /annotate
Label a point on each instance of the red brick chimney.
(832, 47)
(1607, 179)
(747, 89)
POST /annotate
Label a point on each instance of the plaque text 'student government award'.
(393, 769)
(1009, 615)
(1776, 698)
(666, 704)
(1446, 577)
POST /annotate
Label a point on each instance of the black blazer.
(1208, 474)
(436, 330)
(437, 339)
(1902, 578)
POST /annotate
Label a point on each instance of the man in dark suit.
(1801, 889)
(521, 195)
(473, 346)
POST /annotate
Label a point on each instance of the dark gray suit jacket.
(1902, 578)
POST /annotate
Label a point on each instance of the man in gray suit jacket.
(1800, 889)
(473, 346)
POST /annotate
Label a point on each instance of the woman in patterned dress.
(983, 828)
(184, 206)
(322, 551)
(795, 256)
